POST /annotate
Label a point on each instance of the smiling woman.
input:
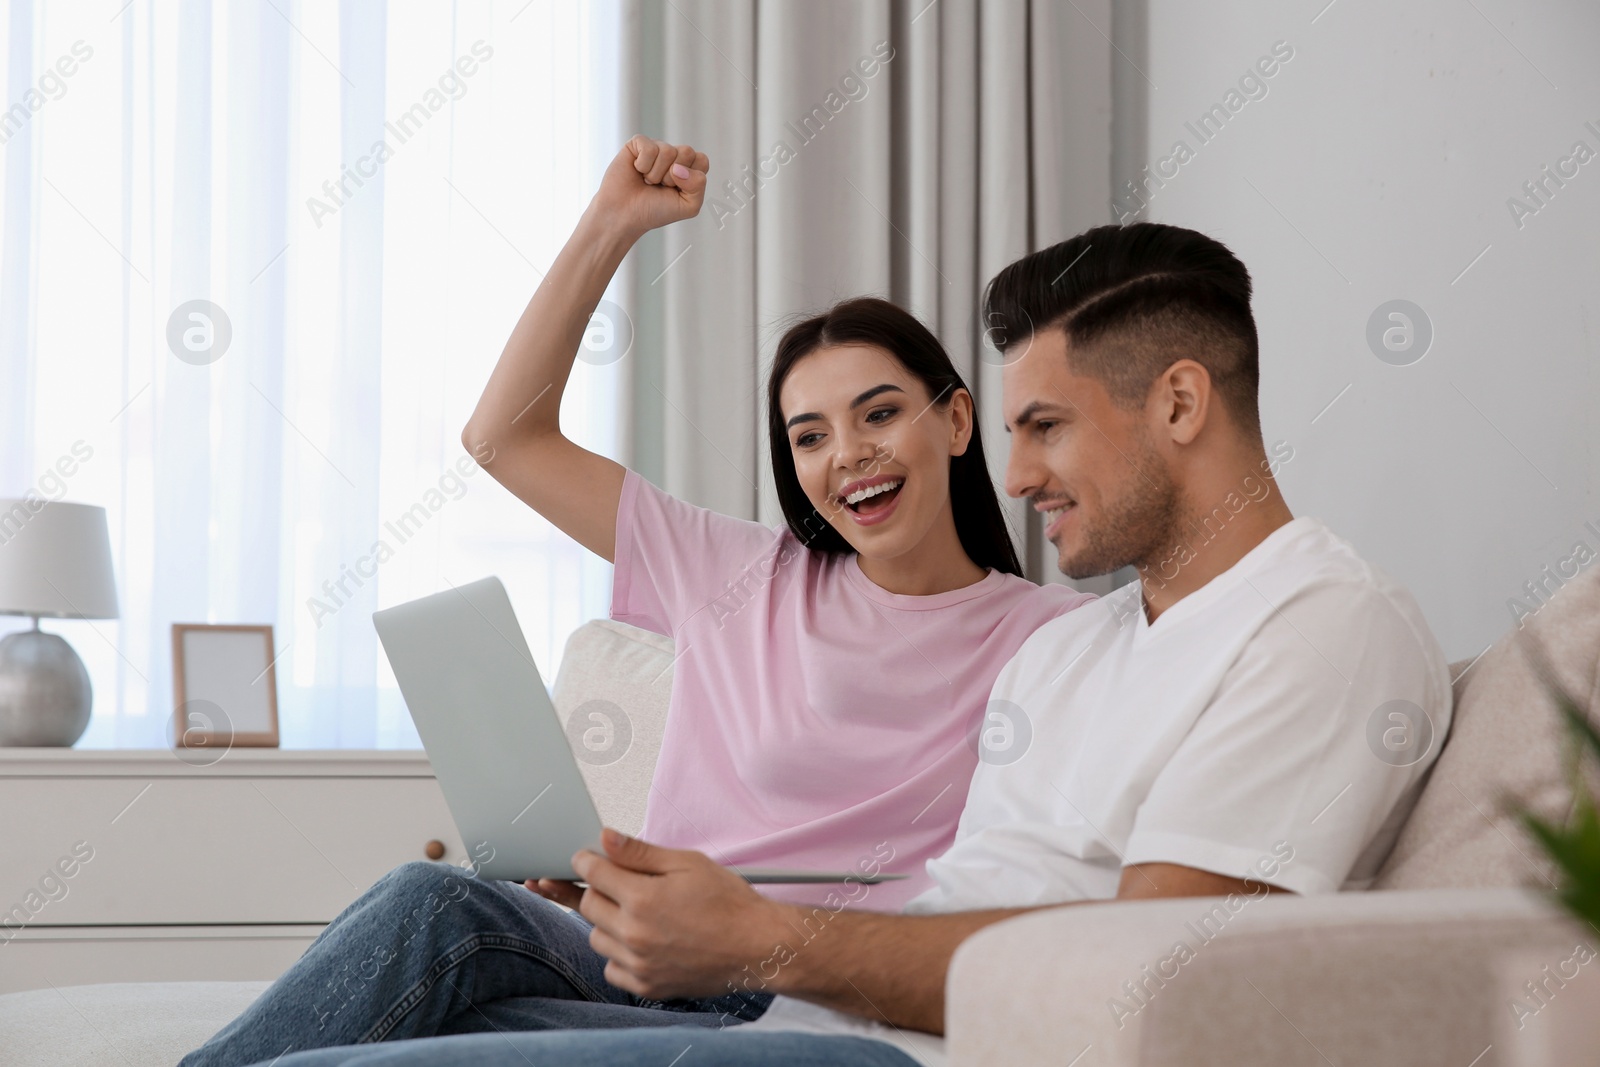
(831, 672)
(843, 463)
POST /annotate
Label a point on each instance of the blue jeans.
(672, 1046)
(433, 950)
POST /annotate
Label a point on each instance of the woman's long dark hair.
(980, 524)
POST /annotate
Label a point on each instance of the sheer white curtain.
(257, 259)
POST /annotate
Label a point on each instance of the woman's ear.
(960, 422)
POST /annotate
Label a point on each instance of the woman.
(831, 674)
(828, 672)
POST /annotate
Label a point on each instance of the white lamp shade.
(55, 560)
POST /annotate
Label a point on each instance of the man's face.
(1091, 467)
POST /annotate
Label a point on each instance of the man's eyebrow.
(1032, 411)
(812, 416)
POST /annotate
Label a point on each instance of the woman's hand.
(649, 184)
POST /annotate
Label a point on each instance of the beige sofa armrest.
(1376, 977)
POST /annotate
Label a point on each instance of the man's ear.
(1183, 398)
(960, 422)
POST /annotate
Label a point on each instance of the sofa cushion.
(1505, 745)
(1370, 978)
(612, 691)
(125, 1024)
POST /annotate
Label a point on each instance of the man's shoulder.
(1305, 552)
(1325, 606)
(1316, 566)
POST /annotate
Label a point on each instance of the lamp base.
(45, 694)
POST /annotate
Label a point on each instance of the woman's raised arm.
(515, 432)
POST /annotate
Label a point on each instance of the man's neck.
(1220, 527)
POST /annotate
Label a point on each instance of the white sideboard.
(120, 866)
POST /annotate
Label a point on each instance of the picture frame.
(224, 686)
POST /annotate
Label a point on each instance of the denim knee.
(424, 883)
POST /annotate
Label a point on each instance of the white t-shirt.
(1275, 725)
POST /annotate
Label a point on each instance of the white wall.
(1378, 166)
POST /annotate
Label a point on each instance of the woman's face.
(871, 449)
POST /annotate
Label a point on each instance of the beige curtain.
(905, 149)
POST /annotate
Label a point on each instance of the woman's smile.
(870, 500)
(874, 500)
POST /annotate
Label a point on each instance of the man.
(1204, 731)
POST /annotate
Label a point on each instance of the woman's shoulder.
(684, 553)
(651, 507)
(1047, 600)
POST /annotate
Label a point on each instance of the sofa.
(1427, 967)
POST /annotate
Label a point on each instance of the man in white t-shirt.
(1255, 714)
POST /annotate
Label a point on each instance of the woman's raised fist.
(652, 183)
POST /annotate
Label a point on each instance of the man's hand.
(671, 922)
(651, 183)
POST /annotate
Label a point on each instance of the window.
(258, 261)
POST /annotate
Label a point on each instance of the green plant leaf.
(1574, 844)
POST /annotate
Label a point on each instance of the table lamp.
(55, 561)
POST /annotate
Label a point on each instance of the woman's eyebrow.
(812, 416)
(874, 391)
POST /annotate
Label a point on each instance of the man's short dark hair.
(1133, 300)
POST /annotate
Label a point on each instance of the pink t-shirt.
(816, 719)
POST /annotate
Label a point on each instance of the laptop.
(496, 743)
